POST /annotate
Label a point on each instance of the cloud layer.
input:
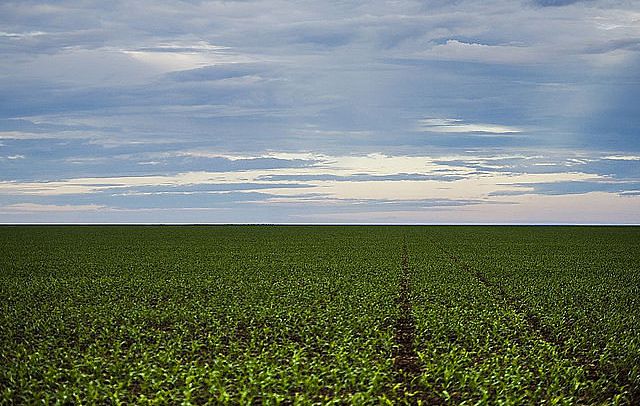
(267, 111)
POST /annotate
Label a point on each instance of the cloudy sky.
(479, 111)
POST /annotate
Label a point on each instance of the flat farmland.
(319, 315)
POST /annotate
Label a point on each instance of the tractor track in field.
(405, 359)
(590, 366)
(534, 323)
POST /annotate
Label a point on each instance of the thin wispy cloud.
(454, 50)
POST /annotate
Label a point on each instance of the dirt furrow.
(405, 359)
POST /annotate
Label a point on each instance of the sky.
(478, 111)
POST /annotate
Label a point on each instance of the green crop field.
(319, 314)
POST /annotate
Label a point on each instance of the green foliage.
(307, 315)
(529, 314)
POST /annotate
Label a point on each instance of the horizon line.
(319, 224)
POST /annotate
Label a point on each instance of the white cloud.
(623, 157)
(21, 135)
(450, 125)
(177, 56)
(33, 207)
(467, 183)
(21, 35)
